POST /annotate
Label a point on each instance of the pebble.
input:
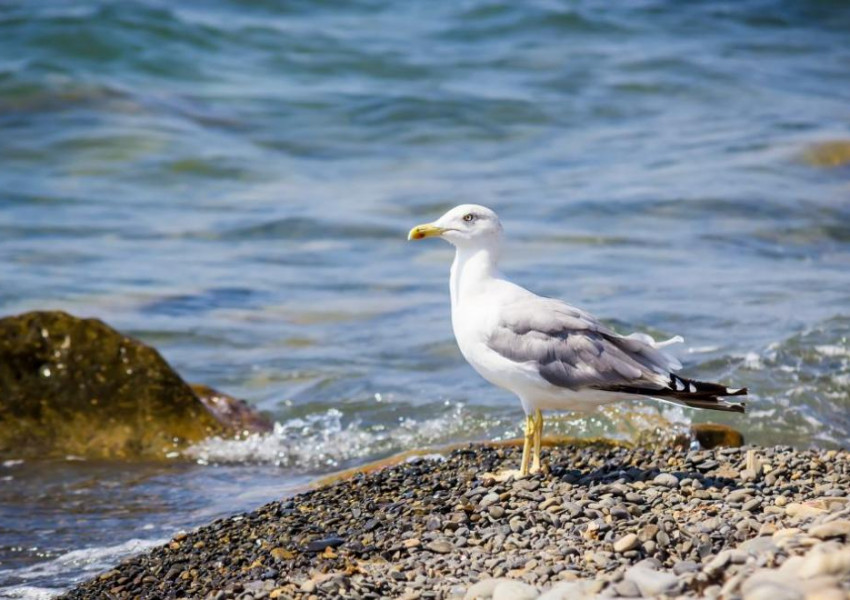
(652, 583)
(515, 590)
(489, 500)
(667, 480)
(483, 590)
(603, 521)
(323, 544)
(627, 542)
(832, 529)
(440, 547)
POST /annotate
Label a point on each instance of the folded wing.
(573, 350)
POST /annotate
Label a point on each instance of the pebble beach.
(599, 521)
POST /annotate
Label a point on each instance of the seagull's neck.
(472, 268)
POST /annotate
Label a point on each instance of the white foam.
(83, 563)
(28, 592)
(753, 362)
(832, 350)
(321, 441)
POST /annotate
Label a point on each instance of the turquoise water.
(233, 182)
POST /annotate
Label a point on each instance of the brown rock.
(714, 435)
(77, 386)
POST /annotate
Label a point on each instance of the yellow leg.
(526, 447)
(538, 438)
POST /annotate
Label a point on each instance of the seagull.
(552, 355)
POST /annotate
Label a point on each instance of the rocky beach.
(600, 521)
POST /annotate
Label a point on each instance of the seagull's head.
(467, 225)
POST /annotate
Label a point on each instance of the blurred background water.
(232, 182)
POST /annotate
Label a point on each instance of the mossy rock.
(71, 386)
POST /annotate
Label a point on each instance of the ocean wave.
(328, 440)
(85, 562)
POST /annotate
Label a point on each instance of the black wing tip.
(691, 393)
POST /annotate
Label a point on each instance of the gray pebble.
(651, 582)
(515, 590)
(627, 542)
(666, 480)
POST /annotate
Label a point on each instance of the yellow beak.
(424, 231)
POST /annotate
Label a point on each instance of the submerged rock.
(71, 386)
(834, 153)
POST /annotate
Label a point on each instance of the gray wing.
(572, 349)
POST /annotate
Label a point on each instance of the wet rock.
(713, 435)
(236, 415)
(77, 386)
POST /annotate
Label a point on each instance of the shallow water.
(232, 183)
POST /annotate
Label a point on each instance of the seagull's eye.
(468, 217)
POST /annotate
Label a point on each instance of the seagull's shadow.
(611, 473)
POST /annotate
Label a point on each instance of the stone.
(386, 516)
(483, 590)
(819, 562)
(323, 544)
(770, 584)
(515, 590)
(801, 511)
(666, 480)
(568, 590)
(759, 545)
(627, 542)
(440, 547)
(627, 589)
(833, 529)
(236, 415)
(685, 566)
(652, 583)
(773, 591)
(488, 500)
(497, 512)
(714, 435)
(77, 386)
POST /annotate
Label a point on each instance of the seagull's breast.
(473, 320)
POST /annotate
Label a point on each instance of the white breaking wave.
(322, 441)
(85, 562)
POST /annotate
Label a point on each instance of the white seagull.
(553, 356)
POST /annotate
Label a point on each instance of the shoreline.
(602, 520)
